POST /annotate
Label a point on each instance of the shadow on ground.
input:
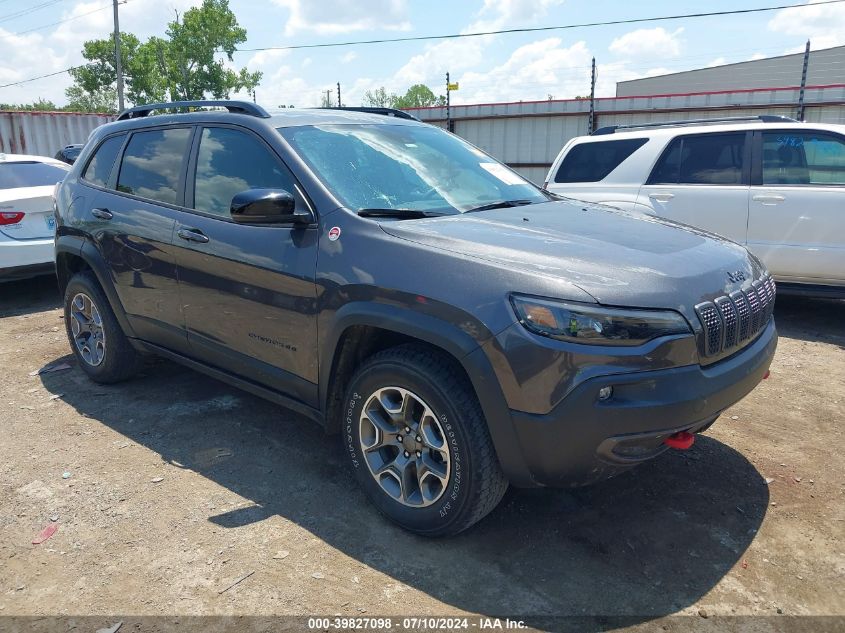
(29, 295)
(646, 544)
(811, 319)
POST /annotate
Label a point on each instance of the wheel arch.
(359, 331)
(74, 255)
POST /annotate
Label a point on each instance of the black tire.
(475, 481)
(120, 360)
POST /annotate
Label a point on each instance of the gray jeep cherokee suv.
(458, 327)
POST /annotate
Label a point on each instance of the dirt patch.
(177, 494)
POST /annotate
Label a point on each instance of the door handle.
(768, 198)
(661, 196)
(103, 214)
(192, 235)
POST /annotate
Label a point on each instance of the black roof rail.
(238, 107)
(399, 114)
(764, 118)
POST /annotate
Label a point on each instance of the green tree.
(378, 98)
(418, 96)
(181, 65)
(38, 106)
(102, 100)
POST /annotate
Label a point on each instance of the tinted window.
(30, 174)
(803, 158)
(100, 165)
(229, 162)
(591, 162)
(710, 159)
(152, 164)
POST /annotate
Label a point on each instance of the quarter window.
(803, 158)
(99, 167)
(591, 162)
(709, 159)
(229, 162)
(152, 164)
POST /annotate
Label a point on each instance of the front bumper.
(583, 440)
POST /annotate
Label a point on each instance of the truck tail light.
(10, 217)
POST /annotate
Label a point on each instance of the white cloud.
(656, 43)
(719, 61)
(331, 17)
(496, 14)
(460, 55)
(823, 25)
(262, 59)
(532, 71)
(348, 57)
(46, 51)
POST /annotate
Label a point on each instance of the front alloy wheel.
(417, 441)
(404, 446)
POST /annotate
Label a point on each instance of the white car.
(27, 223)
(768, 182)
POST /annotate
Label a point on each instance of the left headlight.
(595, 325)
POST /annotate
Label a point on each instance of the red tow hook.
(681, 440)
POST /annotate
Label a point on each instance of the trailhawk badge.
(334, 233)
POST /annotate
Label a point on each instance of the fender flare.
(90, 254)
(451, 339)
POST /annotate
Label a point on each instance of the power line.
(543, 28)
(70, 19)
(461, 35)
(28, 10)
(58, 72)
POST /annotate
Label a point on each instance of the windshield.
(412, 167)
(30, 174)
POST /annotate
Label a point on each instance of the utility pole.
(591, 125)
(339, 104)
(118, 66)
(448, 111)
(803, 82)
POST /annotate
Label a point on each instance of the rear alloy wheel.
(87, 329)
(418, 442)
(95, 336)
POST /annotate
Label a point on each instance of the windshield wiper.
(399, 213)
(504, 204)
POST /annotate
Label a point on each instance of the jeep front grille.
(732, 320)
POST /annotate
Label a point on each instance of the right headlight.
(596, 325)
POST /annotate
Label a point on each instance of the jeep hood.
(618, 257)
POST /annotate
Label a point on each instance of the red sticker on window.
(334, 233)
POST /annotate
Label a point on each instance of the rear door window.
(30, 174)
(706, 159)
(98, 169)
(803, 158)
(591, 162)
(152, 164)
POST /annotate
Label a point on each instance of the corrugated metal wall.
(44, 133)
(528, 135)
(826, 66)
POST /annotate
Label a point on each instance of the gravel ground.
(169, 488)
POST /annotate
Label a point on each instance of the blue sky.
(493, 68)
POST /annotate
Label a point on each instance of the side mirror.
(267, 206)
